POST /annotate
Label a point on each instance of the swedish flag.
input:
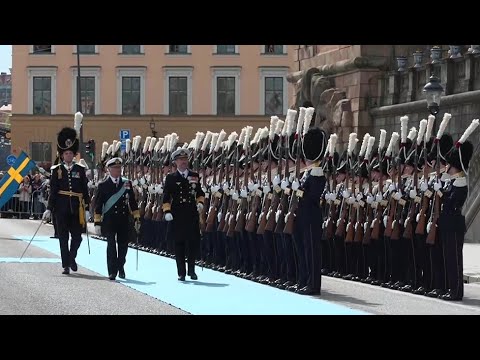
(12, 179)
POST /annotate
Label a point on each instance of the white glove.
(266, 189)
(255, 187)
(424, 186)
(235, 196)
(277, 215)
(87, 215)
(398, 195)
(135, 182)
(219, 216)
(359, 196)
(346, 194)
(137, 226)
(90, 184)
(225, 187)
(385, 219)
(142, 181)
(369, 199)
(159, 189)
(418, 217)
(47, 215)
(98, 230)
(284, 184)
(295, 185)
(378, 197)
(276, 180)
(199, 207)
(437, 186)
(151, 189)
(391, 187)
(413, 194)
(350, 200)
(168, 217)
(243, 193)
(250, 186)
(215, 188)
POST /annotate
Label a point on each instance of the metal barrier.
(32, 209)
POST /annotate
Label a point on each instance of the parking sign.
(124, 135)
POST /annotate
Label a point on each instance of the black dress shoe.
(449, 297)
(112, 276)
(193, 276)
(435, 293)
(73, 265)
(420, 291)
(66, 271)
(121, 274)
(406, 288)
(307, 290)
(376, 282)
(324, 272)
(348, 277)
(181, 278)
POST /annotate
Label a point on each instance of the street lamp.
(152, 127)
(433, 92)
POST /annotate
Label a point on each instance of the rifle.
(396, 225)
(422, 216)
(352, 214)
(408, 228)
(435, 213)
(344, 209)
(267, 198)
(243, 207)
(232, 220)
(283, 204)
(257, 199)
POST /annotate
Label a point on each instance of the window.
(42, 95)
(177, 95)
(226, 49)
(5, 96)
(178, 49)
(225, 96)
(273, 96)
(226, 91)
(89, 90)
(41, 151)
(131, 95)
(86, 49)
(274, 49)
(42, 90)
(132, 49)
(178, 90)
(273, 91)
(42, 49)
(130, 90)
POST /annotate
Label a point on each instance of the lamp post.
(152, 127)
(433, 92)
(79, 103)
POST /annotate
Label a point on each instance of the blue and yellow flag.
(14, 176)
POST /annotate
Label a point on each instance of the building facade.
(145, 89)
(365, 88)
(5, 89)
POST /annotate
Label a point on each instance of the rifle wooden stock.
(330, 224)
(232, 221)
(350, 231)
(241, 221)
(203, 215)
(422, 221)
(291, 215)
(252, 215)
(271, 222)
(391, 216)
(367, 231)
(342, 221)
(212, 213)
(358, 237)
(282, 206)
(262, 221)
(432, 235)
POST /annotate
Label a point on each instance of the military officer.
(68, 198)
(115, 201)
(182, 202)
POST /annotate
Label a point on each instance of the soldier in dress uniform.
(309, 219)
(115, 200)
(452, 222)
(68, 198)
(183, 199)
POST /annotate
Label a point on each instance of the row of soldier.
(285, 207)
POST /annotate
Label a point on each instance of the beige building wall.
(249, 65)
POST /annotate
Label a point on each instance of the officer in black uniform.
(68, 198)
(182, 201)
(452, 226)
(114, 197)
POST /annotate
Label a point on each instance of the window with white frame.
(132, 49)
(178, 90)
(131, 91)
(86, 49)
(227, 49)
(89, 90)
(226, 91)
(42, 91)
(178, 49)
(274, 49)
(42, 49)
(273, 91)
(41, 151)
